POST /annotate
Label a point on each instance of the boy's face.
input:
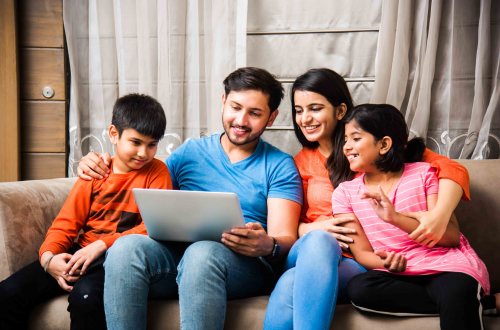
(245, 116)
(132, 149)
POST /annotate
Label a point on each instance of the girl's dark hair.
(333, 87)
(385, 120)
(140, 112)
(251, 78)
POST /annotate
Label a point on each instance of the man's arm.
(253, 241)
(94, 165)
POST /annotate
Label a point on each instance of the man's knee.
(204, 258)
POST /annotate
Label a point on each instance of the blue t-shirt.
(202, 164)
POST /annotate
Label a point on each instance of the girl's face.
(361, 148)
(316, 117)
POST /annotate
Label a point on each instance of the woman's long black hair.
(333, 87)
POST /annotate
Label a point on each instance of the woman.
(316, 270)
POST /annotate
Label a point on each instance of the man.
(205, 274)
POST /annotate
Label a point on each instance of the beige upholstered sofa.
(27, 209)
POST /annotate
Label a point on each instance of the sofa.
(27, 209)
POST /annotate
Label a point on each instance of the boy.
(101, 211)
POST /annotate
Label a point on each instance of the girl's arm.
(385, 210)
(363, 252)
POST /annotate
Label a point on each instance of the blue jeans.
(306, 294)
(205, 275)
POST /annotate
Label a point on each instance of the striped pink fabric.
(410, 194)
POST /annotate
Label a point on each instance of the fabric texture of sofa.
(27, 209)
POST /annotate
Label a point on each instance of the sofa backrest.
(479, 218)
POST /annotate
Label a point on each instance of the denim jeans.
(205, 275)
(306, 294)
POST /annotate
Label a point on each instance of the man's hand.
(393, 262)
(381, 205)
(94, 165)
(57, 269)
(250, 240)
(82, 258)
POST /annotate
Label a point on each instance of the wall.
(288, 37)
(42, 65)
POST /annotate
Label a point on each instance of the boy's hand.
(82, 258)
(393, 262)
(94, 165)
(250, 240)
(381, 205)
(57, 269)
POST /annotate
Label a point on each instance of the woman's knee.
(321, 241)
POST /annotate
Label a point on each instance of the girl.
(316, 270)
(404, 276)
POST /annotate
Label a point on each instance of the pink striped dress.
(410, 195)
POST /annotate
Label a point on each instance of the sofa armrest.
(27, 208)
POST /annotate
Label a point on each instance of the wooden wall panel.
(41, 68)
(41, 23)
(43, 166)
(44, 126)
(9, 95)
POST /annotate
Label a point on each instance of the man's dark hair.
(140, 112)
(251, 78)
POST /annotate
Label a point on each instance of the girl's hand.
(381, 204)
(57, 269)
(82, 258)
(393, 262)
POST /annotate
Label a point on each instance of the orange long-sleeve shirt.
(318, 188)
(103, 209)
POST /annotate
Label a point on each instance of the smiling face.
(361, 148)
(317, 118)
(245, 116)
(132, 149)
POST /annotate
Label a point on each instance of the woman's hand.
(334, 226)
(94, 166)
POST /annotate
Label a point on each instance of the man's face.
(245, 116)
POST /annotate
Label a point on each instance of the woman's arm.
(385, 210)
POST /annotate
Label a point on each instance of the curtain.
(176, 51)
(438, 61)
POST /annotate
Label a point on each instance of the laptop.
(188, 216)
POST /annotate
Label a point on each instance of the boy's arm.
(66, 226)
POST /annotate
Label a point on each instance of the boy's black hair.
(250, 78)
(385, 120)
(140, 112)
(333, 87)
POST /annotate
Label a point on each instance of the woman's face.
(316, 117)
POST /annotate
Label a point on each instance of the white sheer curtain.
(177, 51)
(439, 62)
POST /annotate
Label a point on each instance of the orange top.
(103, 209)
(318, 188)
